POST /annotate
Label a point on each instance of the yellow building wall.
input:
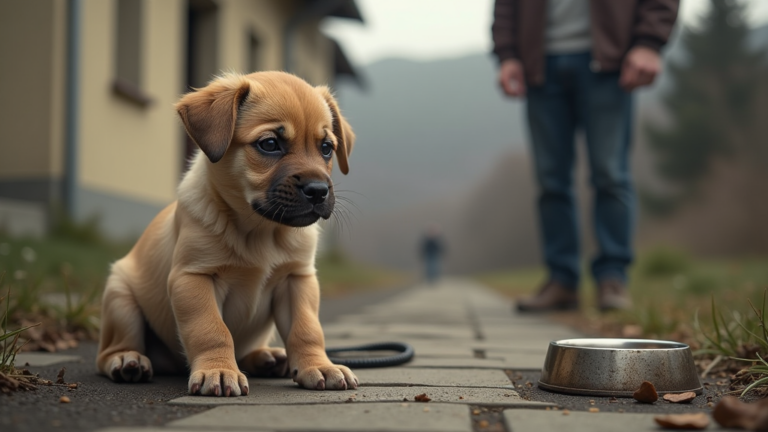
(123, 148)
(32, 47)
(313, 58)
(267, 20)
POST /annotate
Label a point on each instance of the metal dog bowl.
(617, 367)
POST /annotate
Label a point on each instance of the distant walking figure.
(577, 62)
(432, 250)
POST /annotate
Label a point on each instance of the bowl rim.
(615, 344)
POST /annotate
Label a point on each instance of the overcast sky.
(432, 29)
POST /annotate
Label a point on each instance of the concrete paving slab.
(456, 362)
(521, 360)
(434, 377)
(293, 395)
(450, 348)
(414, 318)
(535, 346)
(497, 329)
(384, 417)
(395, 330)
(526, 420)
(413, 376)
(528, 334)
(162, 429)
(37, 359)
(423, 347)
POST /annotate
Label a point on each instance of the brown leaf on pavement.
(631, 331)
(646, 393)
(733, 413)
(422, 398)
(60, 376)
(696, 421)
(9, 384)
(686, 397)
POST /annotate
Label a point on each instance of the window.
(127, 81)
(253, 53)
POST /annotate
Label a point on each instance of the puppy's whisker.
(351, 191)
(342, 203)
(341, 218)
(345, 213)
(344, 209)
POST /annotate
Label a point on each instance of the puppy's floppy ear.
(210, 113)
(345, 138)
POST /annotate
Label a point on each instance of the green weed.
(9, 339)
(664, 261)
(736, 336)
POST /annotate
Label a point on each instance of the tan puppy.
(216, 270)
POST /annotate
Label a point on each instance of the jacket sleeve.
(654, 22)
(504, 29)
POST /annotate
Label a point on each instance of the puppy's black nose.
(315, 192)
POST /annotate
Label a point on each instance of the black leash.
(405, 354)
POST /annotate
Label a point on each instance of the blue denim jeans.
(573, 98)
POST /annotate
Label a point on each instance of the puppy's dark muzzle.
(297, 202)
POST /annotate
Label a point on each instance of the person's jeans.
(575, 98)
(432, 264)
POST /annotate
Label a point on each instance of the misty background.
(438, 144)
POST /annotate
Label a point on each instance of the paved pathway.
(465, 337)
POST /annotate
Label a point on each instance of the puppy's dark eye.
(326, 149)
(268, 145)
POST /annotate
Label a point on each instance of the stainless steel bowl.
(617, 367)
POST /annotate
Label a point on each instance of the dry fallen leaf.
(686, 397)
(631, 331)
(64, 399)
(422, 398)
(696, 421)
(60, 376)
(646, 393)
(733, 413)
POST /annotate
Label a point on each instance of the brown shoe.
(613, 295)
(552, 296)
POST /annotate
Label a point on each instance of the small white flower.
(28, 254)
(5, 249)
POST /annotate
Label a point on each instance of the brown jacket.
(617, 25)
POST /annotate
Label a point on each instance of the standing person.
(577, 62)
(432, 250)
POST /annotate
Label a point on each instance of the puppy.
(216, 271)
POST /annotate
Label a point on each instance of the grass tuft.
(664, 261)
(9, 339)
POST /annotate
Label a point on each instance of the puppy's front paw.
(130, 366)
(218, 382)
(330, 376)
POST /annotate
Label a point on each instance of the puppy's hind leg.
(121, 343)
(264, 361)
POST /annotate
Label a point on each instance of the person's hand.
(641, 65)
(511, 78)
